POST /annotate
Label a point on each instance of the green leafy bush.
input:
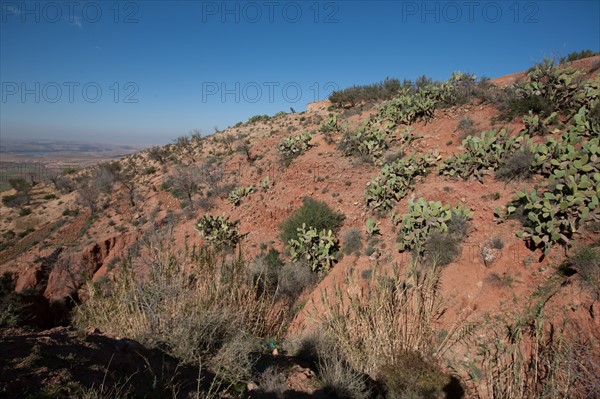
(312, 213)
(368, 139)
(11, 305)
(572, 196)
(219, 231)
(515, 103)
(483, 152)
(70, 212)
(317, 249)
(558, 85)
(330, 125)
(14, 200)
(536, 125)
(422, 219)
(239, 193)
(395, 180)
(584, 123)
(371, 227)
(293, 146)
(409, 106)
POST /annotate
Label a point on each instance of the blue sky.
(149, 71)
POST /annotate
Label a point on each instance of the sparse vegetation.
(370, 341)
(377, 327)
(578, 55)
(355, 95)
(258, 118)
(206, 313)
(466, 126)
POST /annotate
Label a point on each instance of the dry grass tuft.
(198, 307)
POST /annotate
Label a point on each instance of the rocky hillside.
(450, 248)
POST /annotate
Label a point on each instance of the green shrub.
(371, 227)
(16, 200)
(441, 248)
(26, 232)
(312, 213)
(522, 104)
(10, 303)
(367, 140)
(354, 95)
(49, 197)
(585, 123)
(414, 377)
(561, 87)
(258, 118)
(536, 125)
(578, 55)
(330, 125)
(24, 211)
(410, 106)
(70, 212)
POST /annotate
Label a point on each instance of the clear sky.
(149, 71)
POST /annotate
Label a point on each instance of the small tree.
(88, 192)
(22, 188)
(157, 154)
(185, 184)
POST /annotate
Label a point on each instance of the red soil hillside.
(52, 251)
